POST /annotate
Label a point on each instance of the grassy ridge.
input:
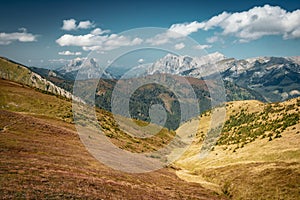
(19, 98)
(257, 155)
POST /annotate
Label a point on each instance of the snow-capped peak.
(173, 64)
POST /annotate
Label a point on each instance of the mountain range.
(267, 79)
(146, 95)
(274, 78)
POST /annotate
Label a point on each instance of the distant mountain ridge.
(182, 65)
(276, 78)
(91, 70)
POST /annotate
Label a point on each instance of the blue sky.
(35, 33)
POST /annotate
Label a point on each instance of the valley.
(257, 155)
(150, 100)
(43, 157)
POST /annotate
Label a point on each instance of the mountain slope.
(42, 156)
(19, 73)
(276, 78)
(150, 94)
(17, 98)
(257, 155)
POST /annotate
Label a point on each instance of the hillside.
(19, 73)
(43, 157)
(18, 98)
(257, 155)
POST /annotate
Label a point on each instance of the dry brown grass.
(41, 157)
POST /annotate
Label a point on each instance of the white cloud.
(23, 36)
(69, 53)
(165, 37)
(70, 24)
(187, 28)
(158, 39)
(182, 30)
(248, 25)
(179, 46)
(99, 31)
(202, 46)
(97, 42)
(260, 21)
(80, 40)
(85, 25)
(215, 21)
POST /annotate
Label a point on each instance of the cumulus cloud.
(97, 42)
(187, 28)
(71, 24)
(23, 36)
(99, 31)
(85, 24)
(179, 46)
(180, 30)
(258, 22)
(202, 46)
(248, 25)
(69, 53)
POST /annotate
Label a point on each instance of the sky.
(49, 34)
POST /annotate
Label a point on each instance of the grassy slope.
(257, 156)
(42, 156)
(15, 97)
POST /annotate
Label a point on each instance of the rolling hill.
(257, 155)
